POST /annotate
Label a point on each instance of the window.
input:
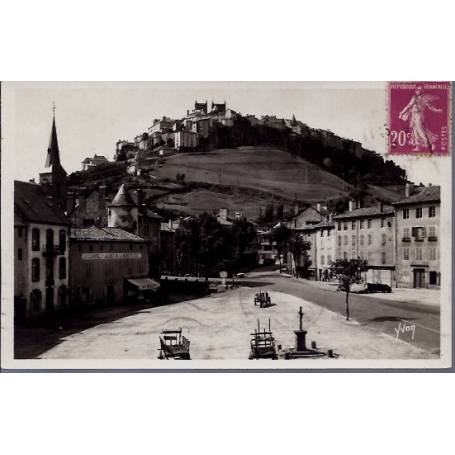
(433, 277)
(329, 259)
(345, 226)
(322, 233)
(431, 212)
(62, 268)
(418, 233)
(432, 254)
(49, 269)
(62, 240)
(353, 225)
(419, 212)
(369, 224)
(418, 254)
(35, 269)
(406, 232)
(322, 260)
(339, 240)
(35, 239)
(49, 238)
(339, 225)
(405, 254)
(361, 224)
(328, 235)
(131, 246)
(345, 255)
(352, 254)
(369, 255)
(19, 254)
(353, 239)
(384, 239)
(383, 258)
(369, 239)
(405, 214)
(361, 254)
(382, 222)
(362, 239)
(90, 248)
(432, 231)
(345, 239)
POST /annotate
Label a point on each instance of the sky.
(92, 117)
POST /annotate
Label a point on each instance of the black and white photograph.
(232, 225)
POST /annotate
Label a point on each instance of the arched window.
(62, 240)
(62, 268)
(35, 239)
(35, 299)
(35, 269)
(49, 239)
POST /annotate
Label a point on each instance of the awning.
(144, 284)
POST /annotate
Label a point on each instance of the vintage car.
(378, 287)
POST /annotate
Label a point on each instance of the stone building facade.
(418, 239)
(369, 233)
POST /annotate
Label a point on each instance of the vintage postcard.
(230, 225)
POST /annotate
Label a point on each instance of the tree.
(280, 236)
(243, 235)
(299, 247)
(350, 271)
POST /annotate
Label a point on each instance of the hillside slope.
(264, 168)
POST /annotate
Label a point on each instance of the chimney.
(82, 197)
(318, 206)
(296, 208)
(102, 197)
(223, 214)
(351, 205)
(407, 190)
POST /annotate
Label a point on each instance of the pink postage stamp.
(419, 118)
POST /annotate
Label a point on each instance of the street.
(219, 325)
(381, 314)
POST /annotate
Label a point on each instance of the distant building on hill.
(89, 163)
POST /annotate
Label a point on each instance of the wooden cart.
(262, 344)
(173, 345)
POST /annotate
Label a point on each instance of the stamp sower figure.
(414, 112)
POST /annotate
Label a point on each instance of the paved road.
(382, 315)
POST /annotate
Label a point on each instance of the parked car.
(355, 287)
(378, 287)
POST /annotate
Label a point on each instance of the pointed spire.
(53, 151)
(122, 198)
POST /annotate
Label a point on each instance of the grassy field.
(267, 169)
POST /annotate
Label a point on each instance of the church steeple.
(54, 180)
(53, 151)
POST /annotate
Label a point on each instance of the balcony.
(432, 238)
(52, 250)
(406, 239)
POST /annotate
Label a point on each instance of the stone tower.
(123, 212)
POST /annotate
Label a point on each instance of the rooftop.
(366, 212)
(106, 234)
(32, 204)
(122, 198)
(426, 194)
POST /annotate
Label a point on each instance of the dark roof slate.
(104, 234)
(366, 212)
(33, 205)
(426, 194)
